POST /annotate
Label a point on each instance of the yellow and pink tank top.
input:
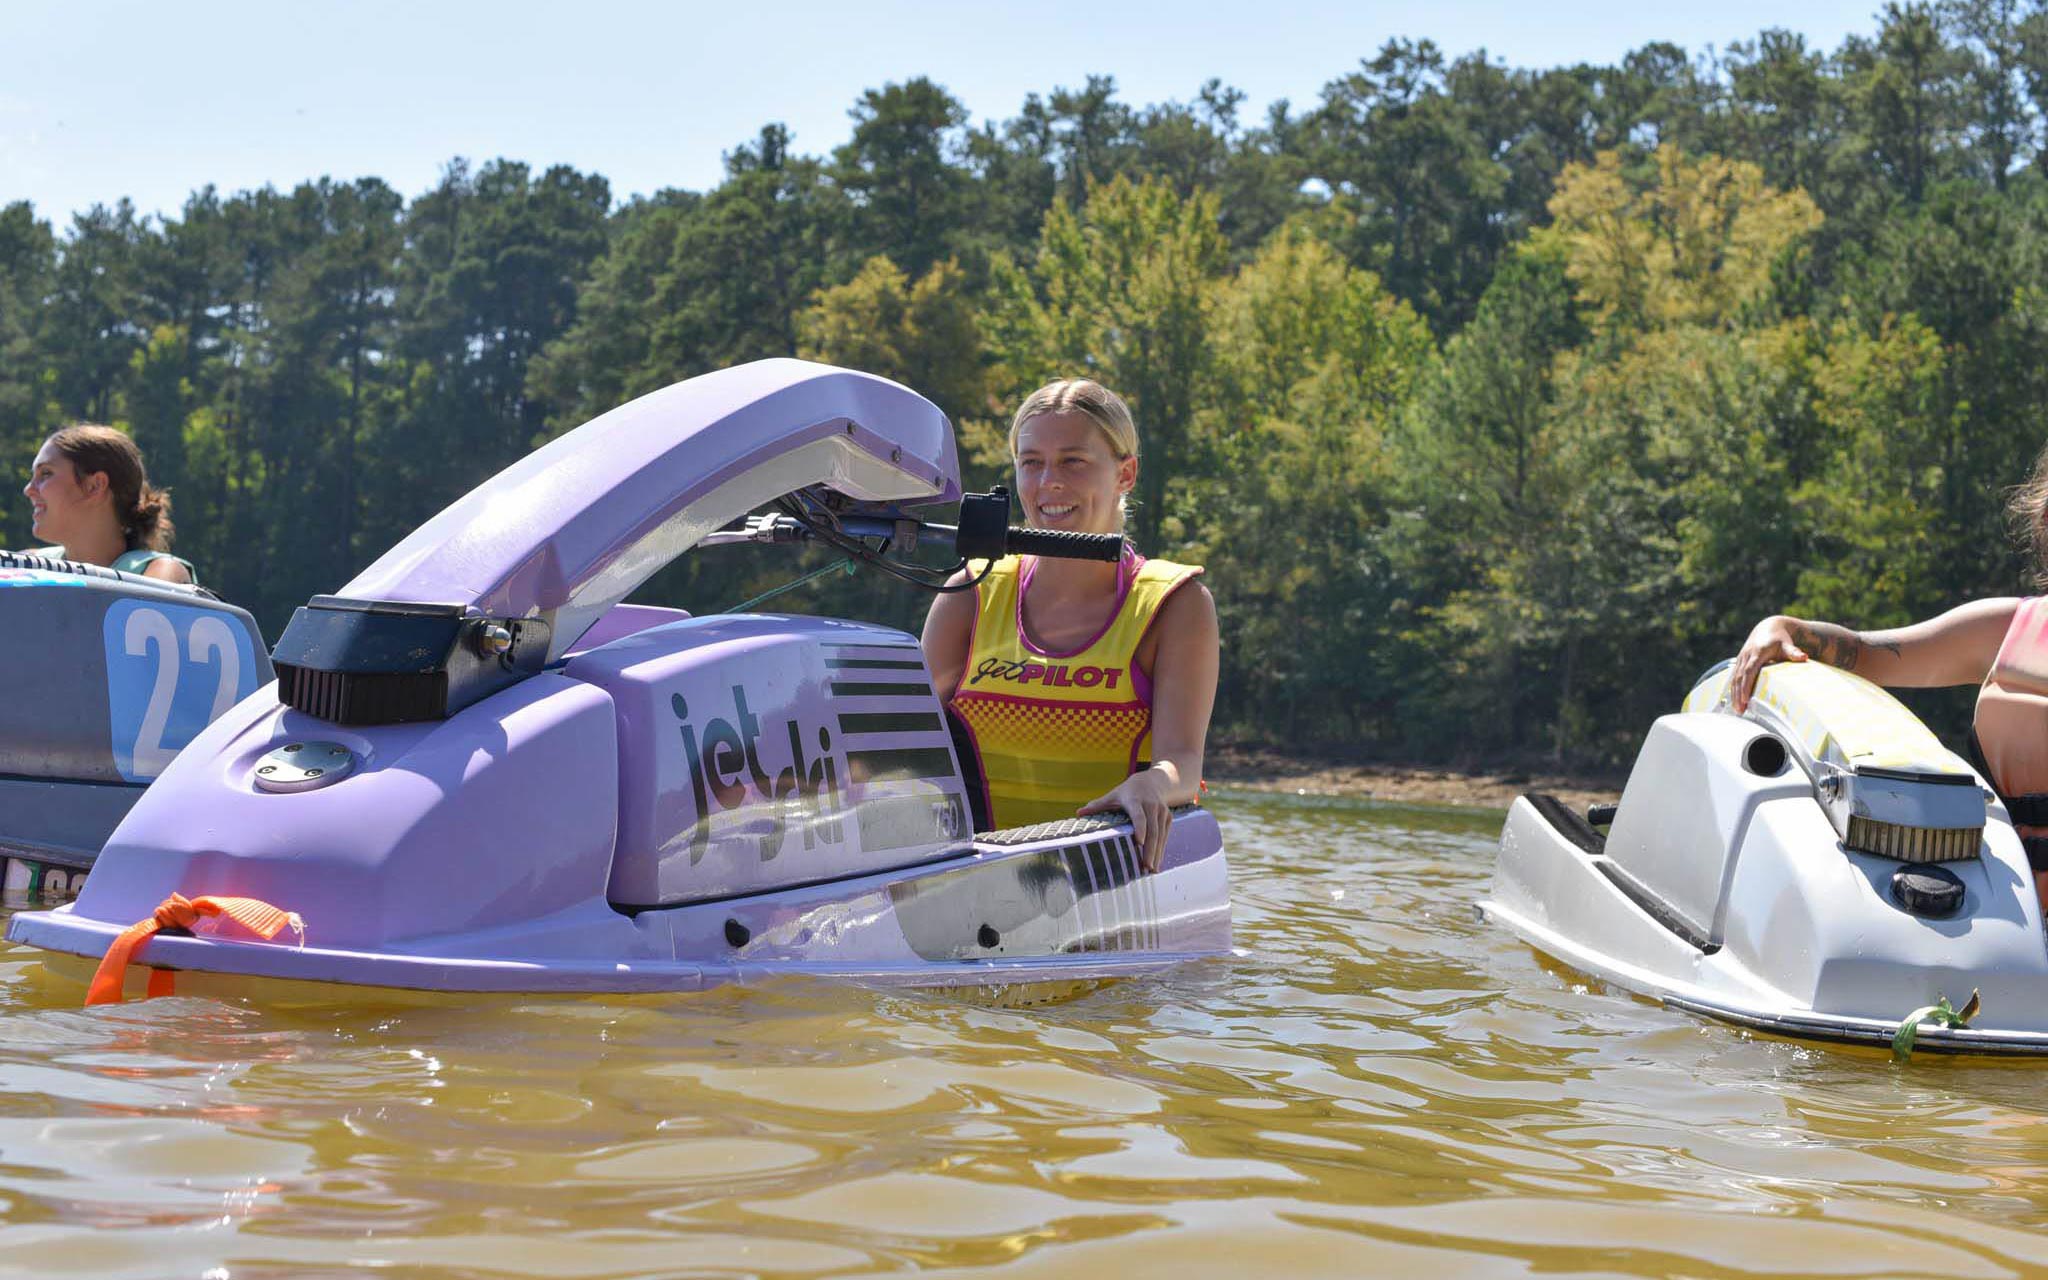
(1055, 730)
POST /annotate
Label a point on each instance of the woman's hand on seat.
(1770, 642)
(1144, 797)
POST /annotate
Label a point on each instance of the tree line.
(1498, 401)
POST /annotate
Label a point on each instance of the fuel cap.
(303, 766)
(1929, 890)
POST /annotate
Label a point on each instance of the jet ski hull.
(1013, 909)
(1722, 889)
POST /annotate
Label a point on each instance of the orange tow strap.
(180, 912)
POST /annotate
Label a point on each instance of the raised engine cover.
(760, 752)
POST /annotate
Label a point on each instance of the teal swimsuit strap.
(138, 560)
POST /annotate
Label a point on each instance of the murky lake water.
(1377, 1084)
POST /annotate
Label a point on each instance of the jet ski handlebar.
(1061, 544)
(984, 532)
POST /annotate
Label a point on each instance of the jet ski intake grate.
(1912, 844)
(353, 698)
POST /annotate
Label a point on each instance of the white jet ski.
(1820, 866)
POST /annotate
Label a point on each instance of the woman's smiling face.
(1068, 477)
(59, 498)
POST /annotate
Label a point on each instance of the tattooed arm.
(1839, 646)
(1958, 647)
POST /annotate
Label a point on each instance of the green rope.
(1942, 1014)
(745, 605)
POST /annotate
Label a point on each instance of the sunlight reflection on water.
(1376, 1082)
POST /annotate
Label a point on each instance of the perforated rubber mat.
(1062, 828)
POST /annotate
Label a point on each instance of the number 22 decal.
(171, 671)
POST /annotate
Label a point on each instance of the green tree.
(87, 320)
(1315, 360)
(1905, 88)
(1878, 508)
(691, 284)
(1403, 154)
(28, 266)
(1997, 117)
(1575, 524)
(903, 170)
(1787, 113)
(1480, 477)
(1119, 292)
(924, 335)
(1014, 179)
(1692, 242)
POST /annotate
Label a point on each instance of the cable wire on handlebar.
(823, 523)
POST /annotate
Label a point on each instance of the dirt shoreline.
(1264, 769)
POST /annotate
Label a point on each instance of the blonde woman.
(89, 494)
(1084, 686)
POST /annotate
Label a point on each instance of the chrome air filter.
(1912, 844)
(1913, 815)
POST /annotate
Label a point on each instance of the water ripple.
(1376, 1082)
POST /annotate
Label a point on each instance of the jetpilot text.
(1052, 674)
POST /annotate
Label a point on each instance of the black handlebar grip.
(1062, 545)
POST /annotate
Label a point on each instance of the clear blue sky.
(151, 100)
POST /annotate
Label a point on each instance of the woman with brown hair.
(1999, 644)
(91, 498)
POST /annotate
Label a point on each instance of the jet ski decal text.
(727, 757)
(1054, 674)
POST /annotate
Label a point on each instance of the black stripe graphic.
(870, 644)
(916, 762)
(1115, 870)
(889, 722)
(874, 664)
(908, 689)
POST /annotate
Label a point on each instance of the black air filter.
(369, 662)
(363, 698)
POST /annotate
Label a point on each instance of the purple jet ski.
(478, 770)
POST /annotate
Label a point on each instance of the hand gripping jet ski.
(480, 771)
(107, 676)
(1820, 866)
